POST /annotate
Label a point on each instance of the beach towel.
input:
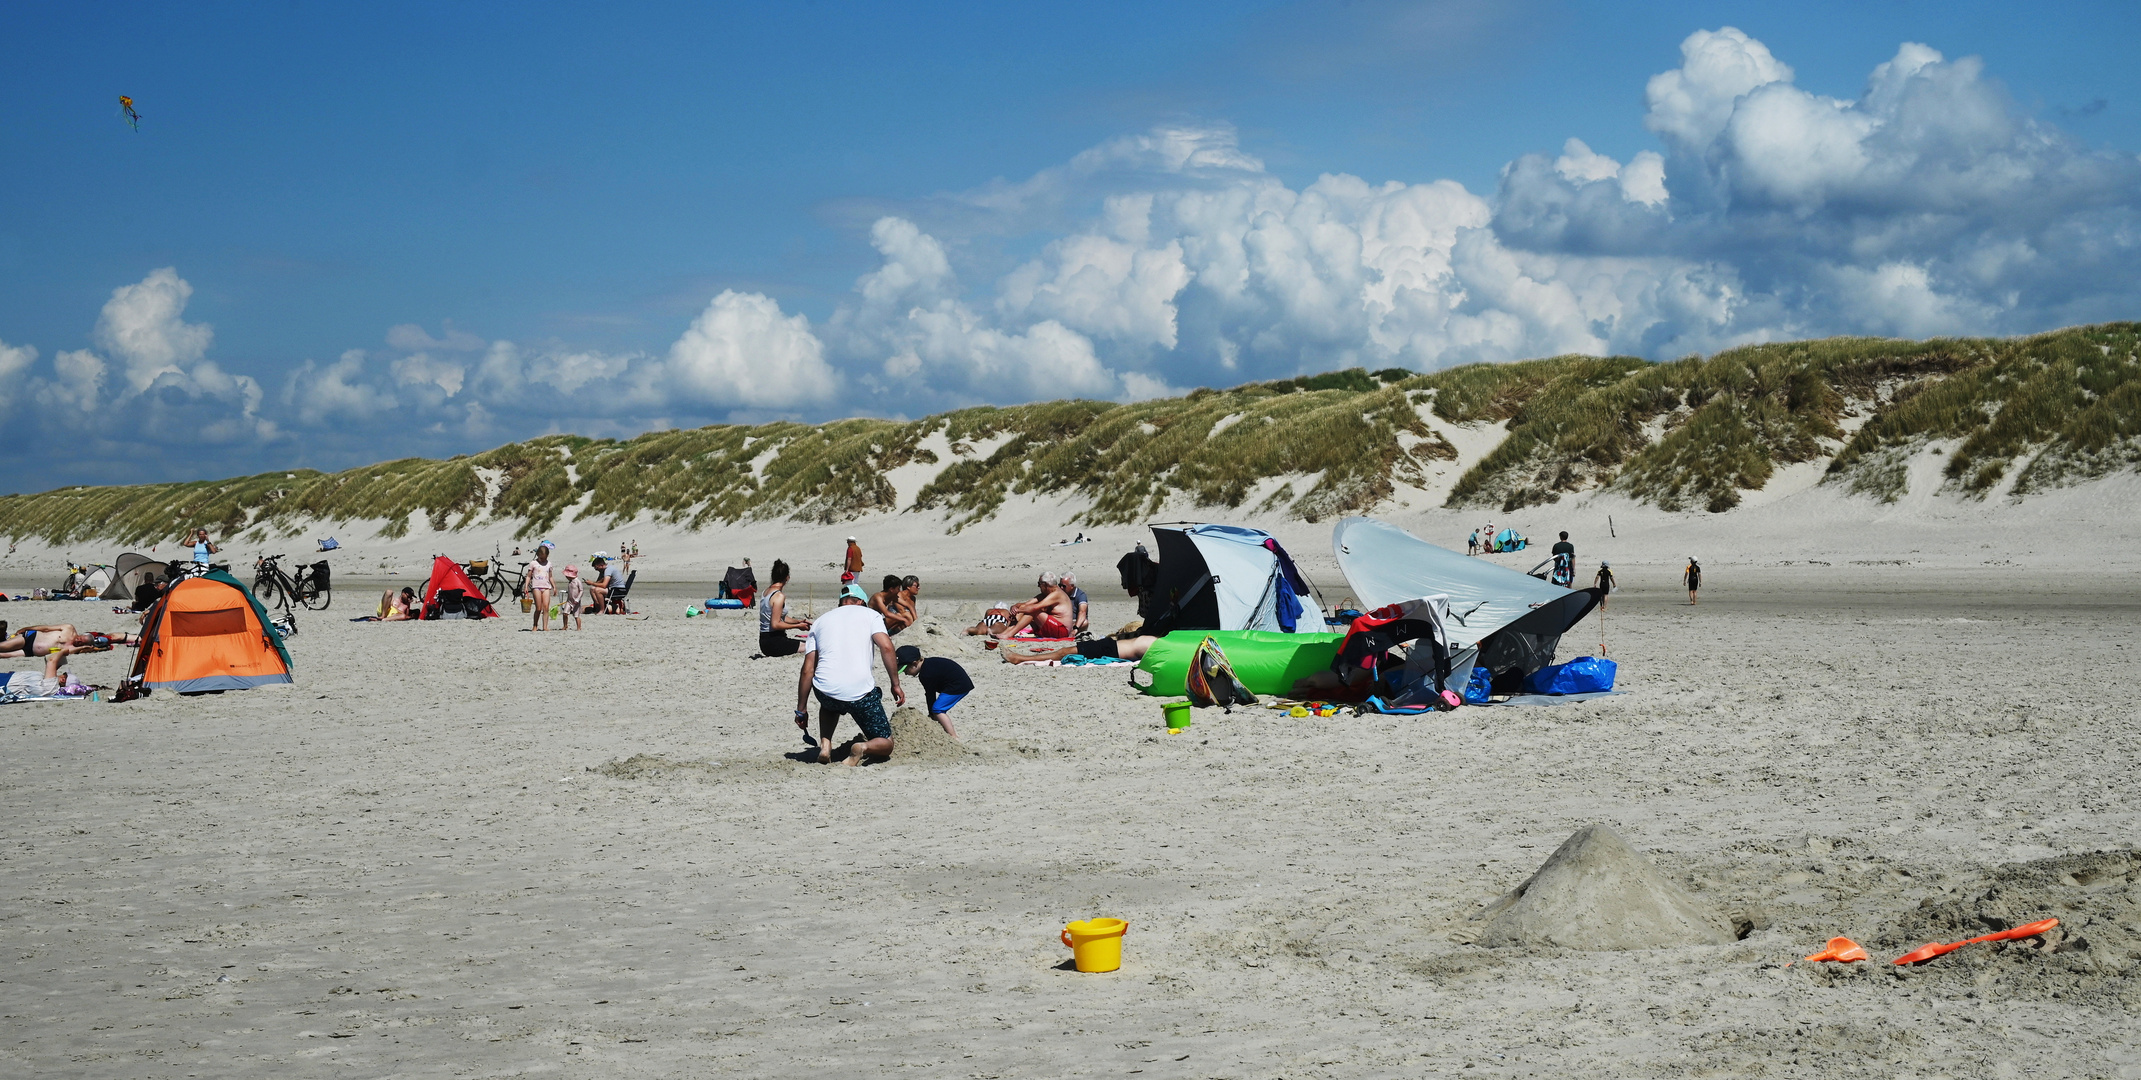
(20, 686)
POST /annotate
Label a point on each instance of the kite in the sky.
(126, 105)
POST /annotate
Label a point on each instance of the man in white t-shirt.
(836, 666)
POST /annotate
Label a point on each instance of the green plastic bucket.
(1177, 714)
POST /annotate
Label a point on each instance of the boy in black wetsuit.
(944, 683)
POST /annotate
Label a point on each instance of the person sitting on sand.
(911, 598)
(1048, 613)
(886, 602)
(399, 607)
(836, 667)
(995, 618)
(773, 620)
(1081, 606)
(944, 683)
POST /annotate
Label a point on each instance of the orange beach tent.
(207, 634)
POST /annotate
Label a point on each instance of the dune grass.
(2044, 411)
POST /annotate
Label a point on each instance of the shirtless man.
(890, 602)
(57, 642)
(1049, 612)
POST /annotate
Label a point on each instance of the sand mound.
(2093, 955)
(654, 767)
(918, 739)
(1596, 892)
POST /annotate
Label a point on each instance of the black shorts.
(868, 711)
(777, 643)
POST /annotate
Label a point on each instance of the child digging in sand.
(944, 683)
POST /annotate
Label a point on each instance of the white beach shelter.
(1387, 565)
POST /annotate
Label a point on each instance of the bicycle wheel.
(314, 597)
(493, 588)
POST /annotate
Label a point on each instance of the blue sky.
(604, 221)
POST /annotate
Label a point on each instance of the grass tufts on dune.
(2021, 415)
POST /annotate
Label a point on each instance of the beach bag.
(319, 576)
(1583, 675)
(1211, 680)
(1479, 687)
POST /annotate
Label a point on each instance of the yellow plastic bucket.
(527, 604)
(1096, 944)
(1177, 714)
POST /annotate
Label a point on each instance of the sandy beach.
(456, 849)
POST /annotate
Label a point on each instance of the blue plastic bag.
(1583, 675)
(1479, 687)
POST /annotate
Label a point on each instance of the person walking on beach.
(540, 587)
(1472, 545)
(1564, 553)
(1693, 576)
(836, 667)
(854, 559)
(944, 683)
(773, 620)
(1604, 582)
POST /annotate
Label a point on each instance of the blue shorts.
(944, 703)
(868, 711)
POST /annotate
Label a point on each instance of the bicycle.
(273, 584)
(491, 576)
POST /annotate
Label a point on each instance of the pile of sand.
(1596, 892)
(2094, 955)
(916, 739)
(654, 767)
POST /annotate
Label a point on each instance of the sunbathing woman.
(402, 607)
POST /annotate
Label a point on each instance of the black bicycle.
(493, 578)
(273, 584)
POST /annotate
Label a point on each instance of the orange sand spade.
(2028, 930)
(1842, 949)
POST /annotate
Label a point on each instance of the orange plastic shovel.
(1841, 949)
(1927, 952)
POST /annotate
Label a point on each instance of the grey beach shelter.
(1508, 621)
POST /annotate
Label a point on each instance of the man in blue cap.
(836, 667)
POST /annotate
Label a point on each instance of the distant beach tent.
(448, 577)
(1226, 577)
(128, 572)
(87, 580)
(206, 635)
(1513, 620)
